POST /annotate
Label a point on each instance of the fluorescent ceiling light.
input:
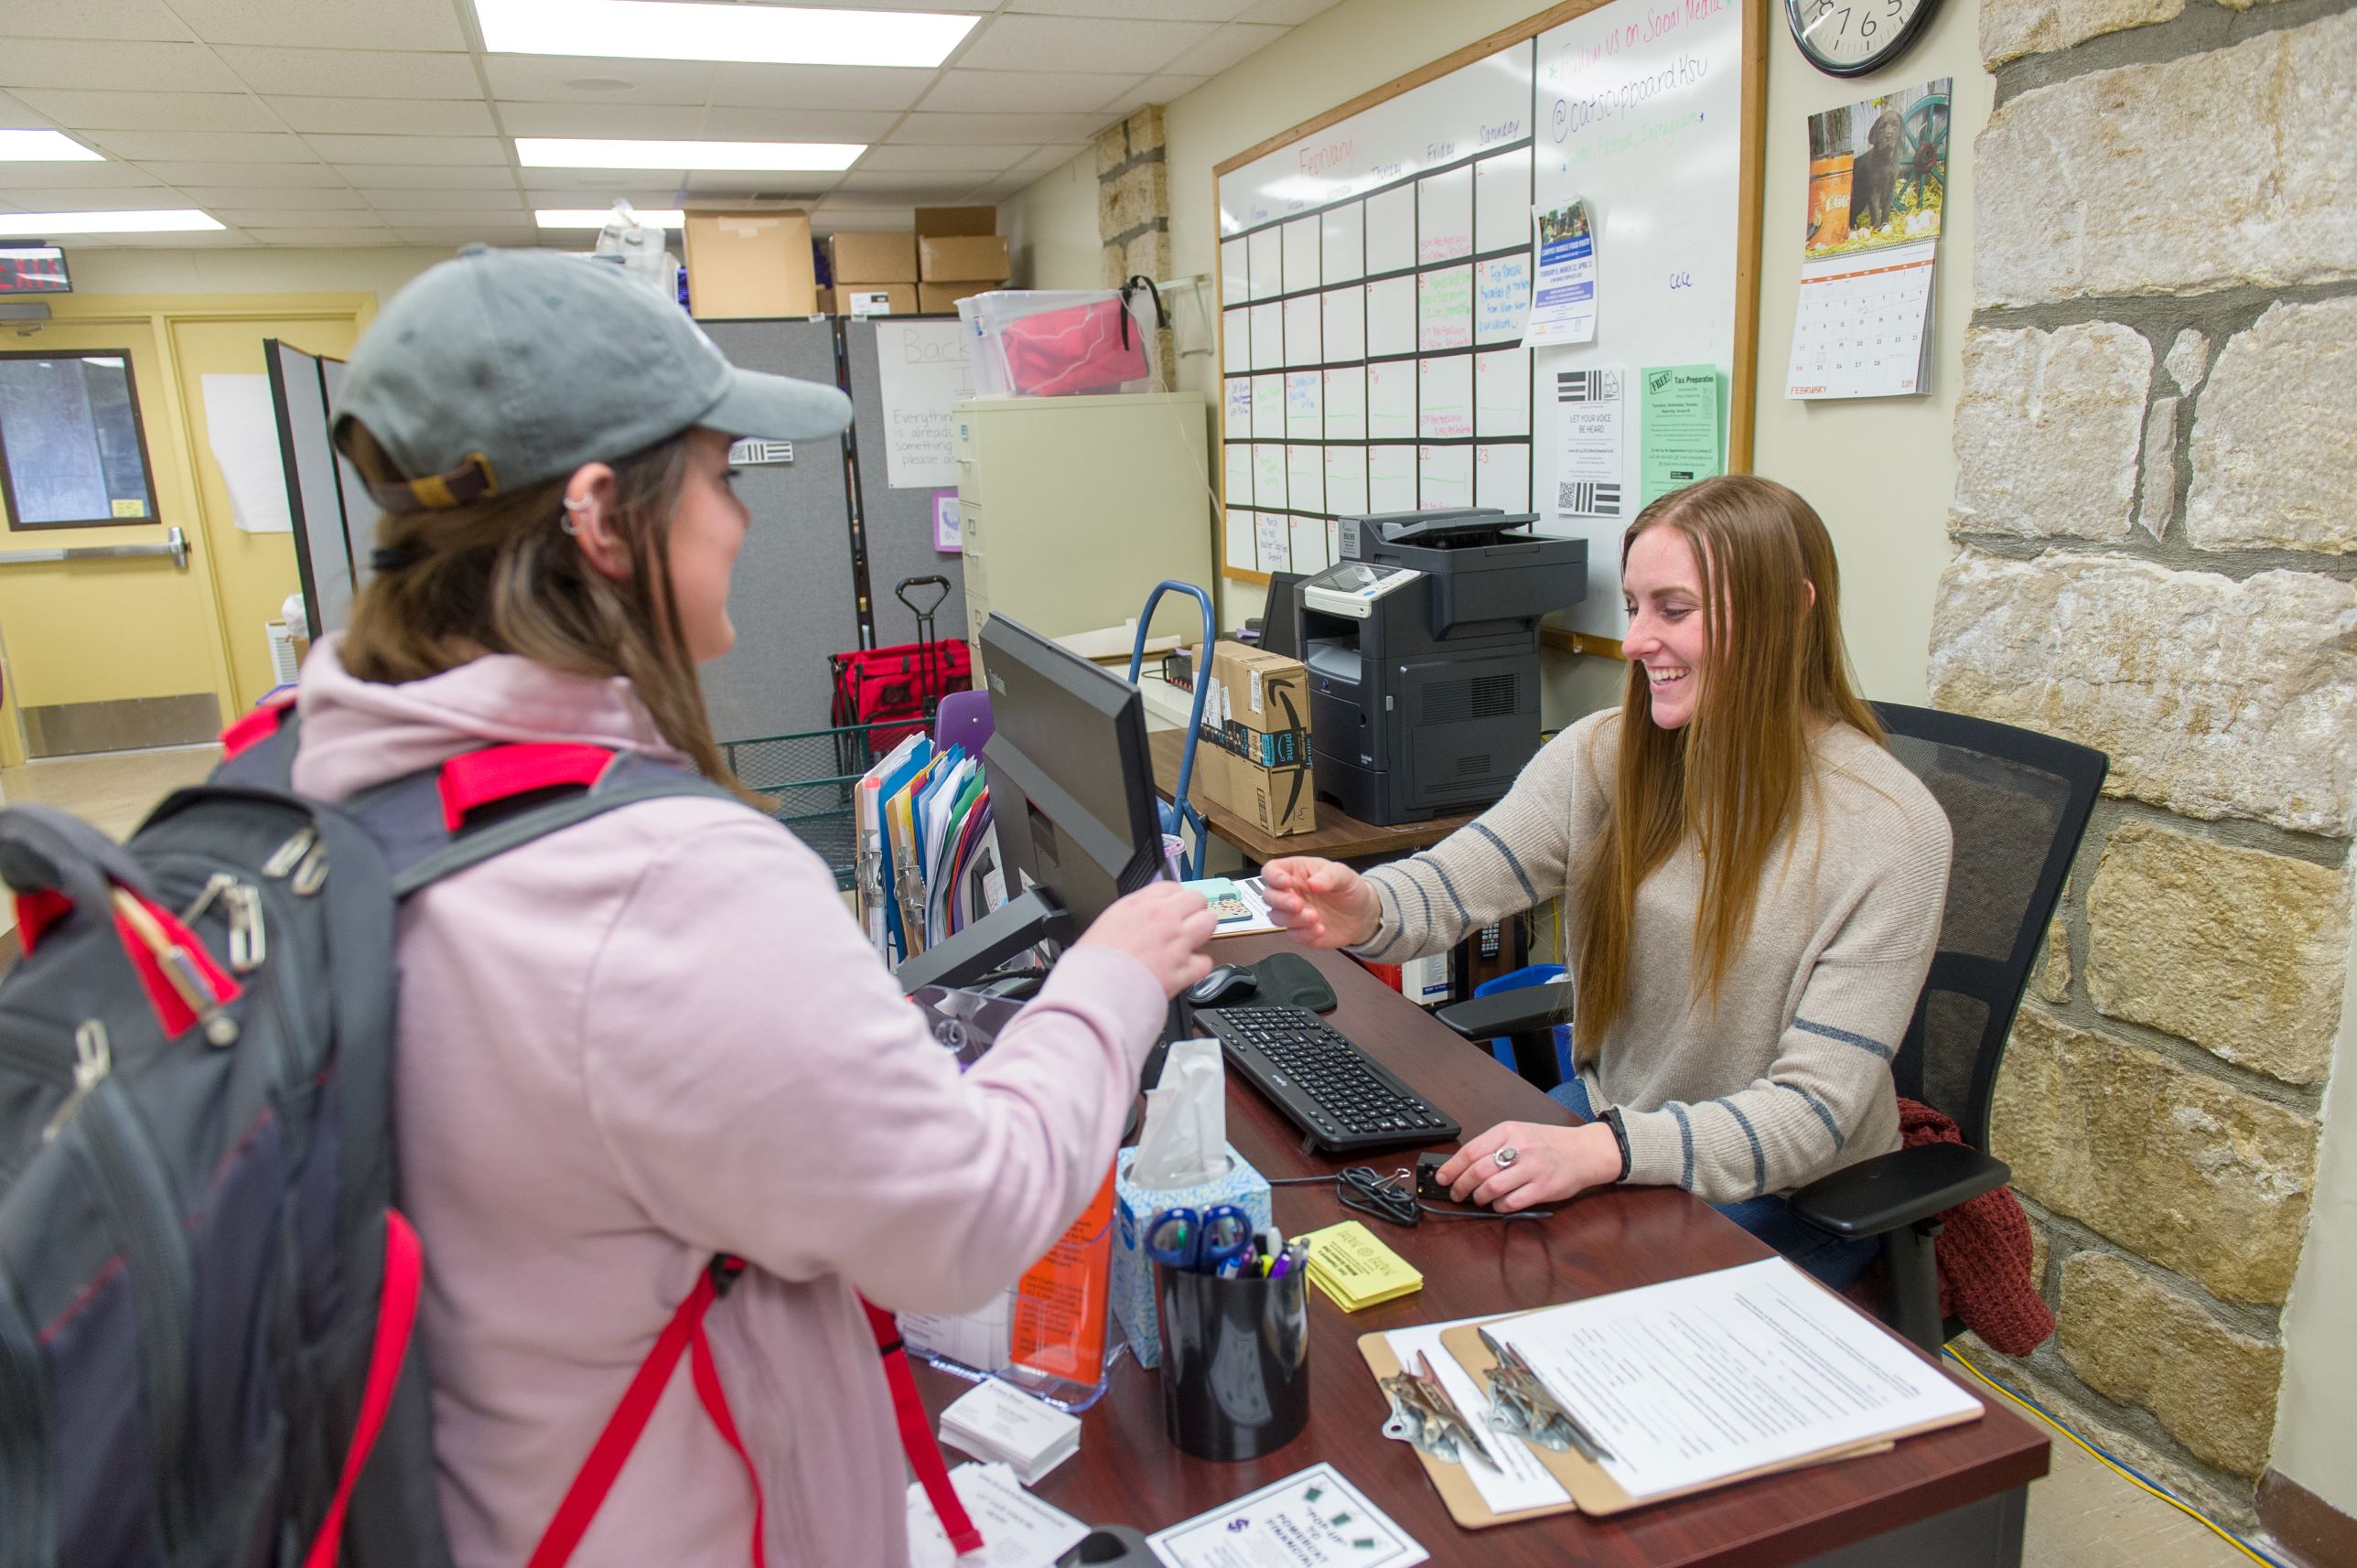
(578, 152)
(44, 147)
(158, 221)
(767, 35)
(598, 217)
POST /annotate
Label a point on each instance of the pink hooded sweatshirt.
(656, 1035)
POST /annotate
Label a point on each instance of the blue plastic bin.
(1532, 974)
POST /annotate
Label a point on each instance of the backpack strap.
(917, 1434)
(404, 1271)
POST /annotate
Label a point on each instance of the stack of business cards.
(995, 1422)
(1355, 1269)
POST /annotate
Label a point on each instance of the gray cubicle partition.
(315, 489)
(899, 523)
(792, 600)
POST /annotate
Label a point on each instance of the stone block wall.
(1134, 214)
(2156, 554)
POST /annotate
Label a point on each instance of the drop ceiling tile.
(92, 180)
(800, 124)
(205, 240)
(483, 235)
(951, 159)
(1004, 130)
(423, 177)
(550, 79)
(718, 186)
(940, 183)
(125, 67)
(384, 116)
(94, 19)
(357, 73)
(1025, 92)
(210, 146)
(1080, 43)
(53, 198)
(297, 217)
(212, 197)
(595, 184)
(654, 121)
(1048, 158)
(1234, 42)
(173, 171)
(1138, 10)
(1154, 89)
(151, 111)
(456, 202)
(819, 86)
(478, 151)
(425, 214)
(324, 24)
(324, 237)
(641, 196)
(20, 116)
(1285, 13)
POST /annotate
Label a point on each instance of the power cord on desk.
(1392, 1198)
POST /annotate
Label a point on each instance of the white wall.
(372, 269)
(2319, 1325)
(1880, 472)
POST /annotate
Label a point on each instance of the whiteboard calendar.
(1376, 270)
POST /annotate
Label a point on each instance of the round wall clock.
(1851, 37)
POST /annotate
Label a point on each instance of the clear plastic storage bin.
(1060, 342)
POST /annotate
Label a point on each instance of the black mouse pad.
(1289, 980)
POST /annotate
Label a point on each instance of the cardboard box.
(1254, 757)
(939, 299)
(1134, 1208)
(963, 258)
(875, 298)
(877, 258)
(751, 264)
(956, 220)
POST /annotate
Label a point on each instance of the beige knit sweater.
(1788, 1077)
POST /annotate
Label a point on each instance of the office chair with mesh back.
(2017, 804)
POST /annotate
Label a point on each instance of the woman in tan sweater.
(1751, 884)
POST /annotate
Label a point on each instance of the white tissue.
(1184, 1141)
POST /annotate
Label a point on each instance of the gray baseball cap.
(500, 368)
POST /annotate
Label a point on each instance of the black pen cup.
(1235, 1361)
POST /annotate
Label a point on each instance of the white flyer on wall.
(1588, 428)
(920, 370)
(1563, 301)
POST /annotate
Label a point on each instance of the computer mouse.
(1228, 983)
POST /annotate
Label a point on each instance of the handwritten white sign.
(921, 368)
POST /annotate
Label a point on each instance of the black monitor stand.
(1012, 930)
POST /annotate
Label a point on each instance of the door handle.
(174, 544)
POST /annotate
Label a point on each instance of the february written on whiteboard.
(1697, 1380)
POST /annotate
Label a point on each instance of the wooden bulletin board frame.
(1751, 178)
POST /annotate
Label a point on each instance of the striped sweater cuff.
(1661, 1146)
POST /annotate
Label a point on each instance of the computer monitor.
(1071, 799)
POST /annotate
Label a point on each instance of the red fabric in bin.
(898, 686)
(1081, 348)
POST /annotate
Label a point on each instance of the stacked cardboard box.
(1253, 755)
(874, 274)
(753, 262)
(958, 253)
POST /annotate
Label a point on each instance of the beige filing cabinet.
(1073, 508)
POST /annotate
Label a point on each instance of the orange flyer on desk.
(1060, 1304)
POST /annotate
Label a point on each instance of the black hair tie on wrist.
(394, 557)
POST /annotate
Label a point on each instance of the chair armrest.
(1517, 1012)
(1898, 1188)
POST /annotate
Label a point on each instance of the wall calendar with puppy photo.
(1878, 185)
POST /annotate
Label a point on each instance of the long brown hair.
(1733, 776)
(500, 576)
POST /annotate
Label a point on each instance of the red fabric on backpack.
(396, 1316)
(1091, 348)
(1984, 1253)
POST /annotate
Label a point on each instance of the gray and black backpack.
(206, 1286)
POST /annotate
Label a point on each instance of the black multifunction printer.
(1423, 649)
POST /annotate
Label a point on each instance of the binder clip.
(1520, 1404)
(1425, 1417)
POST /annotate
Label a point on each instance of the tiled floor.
(2081, 1515)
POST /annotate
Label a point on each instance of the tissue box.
(1133, 1206)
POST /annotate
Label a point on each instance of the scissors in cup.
(1199, 1242)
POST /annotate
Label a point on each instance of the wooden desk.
(1337, 837)
(1949, 1497)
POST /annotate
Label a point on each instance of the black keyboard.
(1327, 1087)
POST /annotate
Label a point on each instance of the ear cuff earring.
(573, 508)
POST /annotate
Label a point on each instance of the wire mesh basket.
(809, 779)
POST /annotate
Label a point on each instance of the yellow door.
(252, 573)
(109, 652)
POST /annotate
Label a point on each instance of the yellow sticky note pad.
(1355, 1269)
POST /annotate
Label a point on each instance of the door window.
(72, 453)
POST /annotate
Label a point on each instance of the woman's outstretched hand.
(1323, 903)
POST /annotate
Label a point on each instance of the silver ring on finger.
(1506, 1156)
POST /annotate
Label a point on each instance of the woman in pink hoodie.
(657, 1035)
